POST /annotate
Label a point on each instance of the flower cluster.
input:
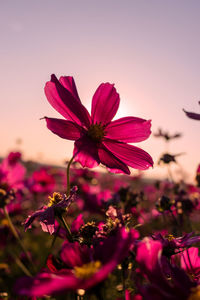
(100, 236)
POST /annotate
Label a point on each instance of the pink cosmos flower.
(166, 281)
(42, 181)
(97, 138)
(12, 172)
(47, 214)
(80, 267)
(190, 262)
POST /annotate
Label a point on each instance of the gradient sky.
(149, 49)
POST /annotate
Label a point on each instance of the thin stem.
(55, 237)
(53, 242)
(174, 218)
(68, 181)
(16, 235)
(69, 234)
(22, 266)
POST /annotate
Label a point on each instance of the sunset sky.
(149, 49)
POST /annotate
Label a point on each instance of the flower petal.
(148, 254)
(130, 155)
(85, 152)
(69, 83)
(65, 129)
(129, 130)
(30, 219)
(65, 103)
(74, 254)
(114, 164)
(192, 115)
(105, 104)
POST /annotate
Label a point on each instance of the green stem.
(22, 267)
(69, 234)
(16, 235)
(52, 243)
(68, 181)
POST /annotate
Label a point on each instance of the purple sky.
(149, 49)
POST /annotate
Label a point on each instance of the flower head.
(12, 172)
(42, 181)
(80, 267)
(47, 214)
(97, 138)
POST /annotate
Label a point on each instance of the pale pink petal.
(129, 130)
(50, 228)
(65, 129)
(69, 83)
(105, 104)
(47, 220)
(65, 103)
(114, 164)
(130, 155)
(85, 152)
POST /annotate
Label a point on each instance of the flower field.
(75, 232)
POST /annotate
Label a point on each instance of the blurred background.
(149, 49)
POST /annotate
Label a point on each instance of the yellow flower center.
(170, 237)
(2, 192)
(56, 198)
(195, 293)
(96, 132)
(87, 270)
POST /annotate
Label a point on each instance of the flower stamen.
(55, 199)
(96, 132)
(87, 270)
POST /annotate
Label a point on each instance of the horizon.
(150, 50)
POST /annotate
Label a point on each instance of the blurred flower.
(97, 139)
(167, 158)
(192, 115)
(166, 281)
(41, 181)
(166, 135)
(12, 172)
(198, 176)
(171, 244)
(190, 262)
(81, 267)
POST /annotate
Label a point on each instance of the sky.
(149, 49)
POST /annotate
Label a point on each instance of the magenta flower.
(42, 181)
(80, 267)
(97, 139)
(12, 172)
(190, 262)
(171, 245)
(166, 281)
(46, 215)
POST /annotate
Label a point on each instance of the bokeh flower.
(81, 267)
(192, 115)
